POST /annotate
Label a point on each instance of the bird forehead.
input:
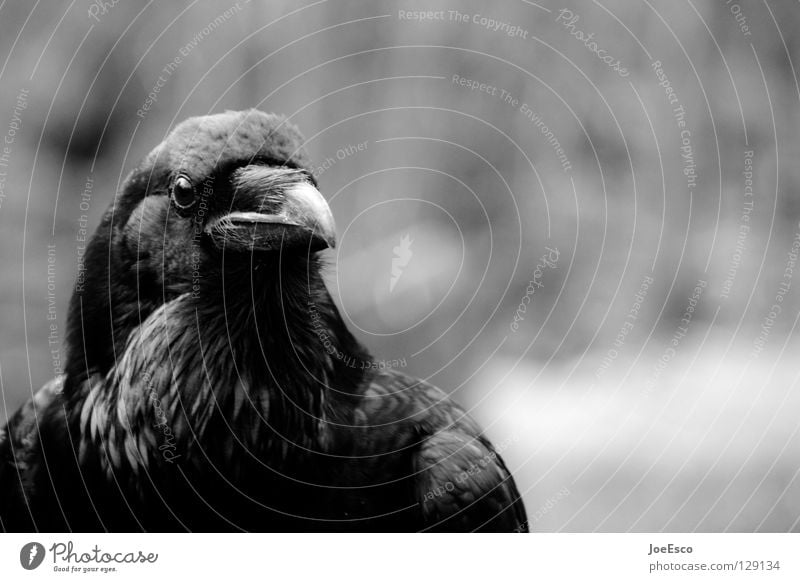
(199, 145)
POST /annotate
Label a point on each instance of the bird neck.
(262, 361)
(289, 340)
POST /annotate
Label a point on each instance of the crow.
(210, 382)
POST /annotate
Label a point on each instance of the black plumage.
(211, 383)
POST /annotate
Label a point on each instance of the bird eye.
(183, 192)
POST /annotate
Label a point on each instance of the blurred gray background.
(641, 376)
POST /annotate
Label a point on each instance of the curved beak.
(274, 208)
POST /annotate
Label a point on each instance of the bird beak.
(274, 208)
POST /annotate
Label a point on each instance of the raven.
(211, 384)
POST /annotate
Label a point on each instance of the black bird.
(210, 382)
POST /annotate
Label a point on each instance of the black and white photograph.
(311, 272)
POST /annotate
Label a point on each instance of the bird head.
(232, 189)
(234, 183)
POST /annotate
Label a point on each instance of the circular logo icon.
(31, 555)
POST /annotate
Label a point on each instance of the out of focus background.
(582, 221)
